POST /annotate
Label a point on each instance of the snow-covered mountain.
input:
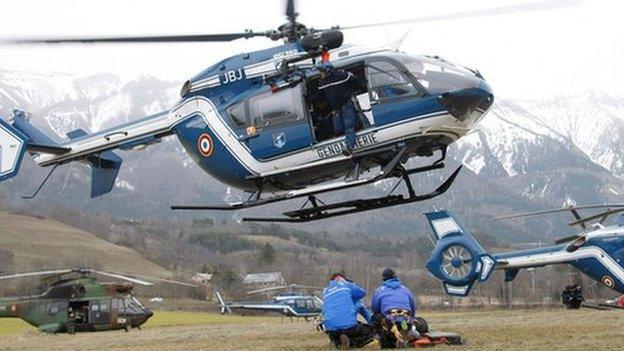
(525, 155)
(64, 102)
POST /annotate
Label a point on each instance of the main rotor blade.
(34, 274)
(310, 287)
(146, 39)
(533, 6)
(564, 209)
(566, 239)
(604, 214)
(271, 288)
(290, 11)
(123, 277)
(171, 281)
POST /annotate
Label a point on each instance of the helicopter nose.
(148, 313)
(470, 103)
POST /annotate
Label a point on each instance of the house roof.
(202, 277)
(259, 278)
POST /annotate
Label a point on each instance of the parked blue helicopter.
(458, 260)
(293, 303)
(255, 121)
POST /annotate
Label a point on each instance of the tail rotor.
(223, 306)
(457, 259)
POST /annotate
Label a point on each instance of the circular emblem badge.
(608, 281)
(204, 145)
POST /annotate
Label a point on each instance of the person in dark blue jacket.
(341, 305)
(395, 308)
(338, 87)
(392, 295)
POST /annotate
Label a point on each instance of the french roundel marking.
(204, 145)
(608, 281)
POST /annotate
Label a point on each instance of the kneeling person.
(395, 309)
(341, 305)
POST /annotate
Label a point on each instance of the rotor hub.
(291, 31)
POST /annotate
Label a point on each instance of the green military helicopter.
(76, 301)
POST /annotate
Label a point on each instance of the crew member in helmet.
(337, 87)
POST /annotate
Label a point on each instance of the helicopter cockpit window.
(300, 303)
(238, 115)
(272, 109)
(132, 305)
(439, 76)
(317, 303)
(386, 81)
(310, 304)
(119, 305)
(620, 221)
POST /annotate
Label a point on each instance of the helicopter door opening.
(321, 120)
(78, 312)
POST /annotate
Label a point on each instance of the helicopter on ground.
(77, 302)
(257, 122)
(458, 260)
(295, 302)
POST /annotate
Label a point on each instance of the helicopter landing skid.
(320, 210)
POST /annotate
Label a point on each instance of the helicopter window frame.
(297, 104)
(300, 304)
(419, 90)
(104, 306)
(119, 305)
(237, 122)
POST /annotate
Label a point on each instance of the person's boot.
(374, 344)
(345, 344)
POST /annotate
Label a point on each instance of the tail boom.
(93, 149)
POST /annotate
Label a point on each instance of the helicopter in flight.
(256, 121)
(294, 302)
(77, 302)
(458, 260)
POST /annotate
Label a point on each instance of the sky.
(568, 48)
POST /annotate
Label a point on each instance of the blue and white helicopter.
(294, 302)
(458, 260)
(255, 121)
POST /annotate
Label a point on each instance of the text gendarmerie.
(334, 149)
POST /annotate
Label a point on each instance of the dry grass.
(535, 330)
(37, 243)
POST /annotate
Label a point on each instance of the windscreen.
(439, 76)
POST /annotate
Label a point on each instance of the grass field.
(535, 330)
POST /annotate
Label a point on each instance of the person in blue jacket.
(341, 305)
(392, 295)
(392, 304)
